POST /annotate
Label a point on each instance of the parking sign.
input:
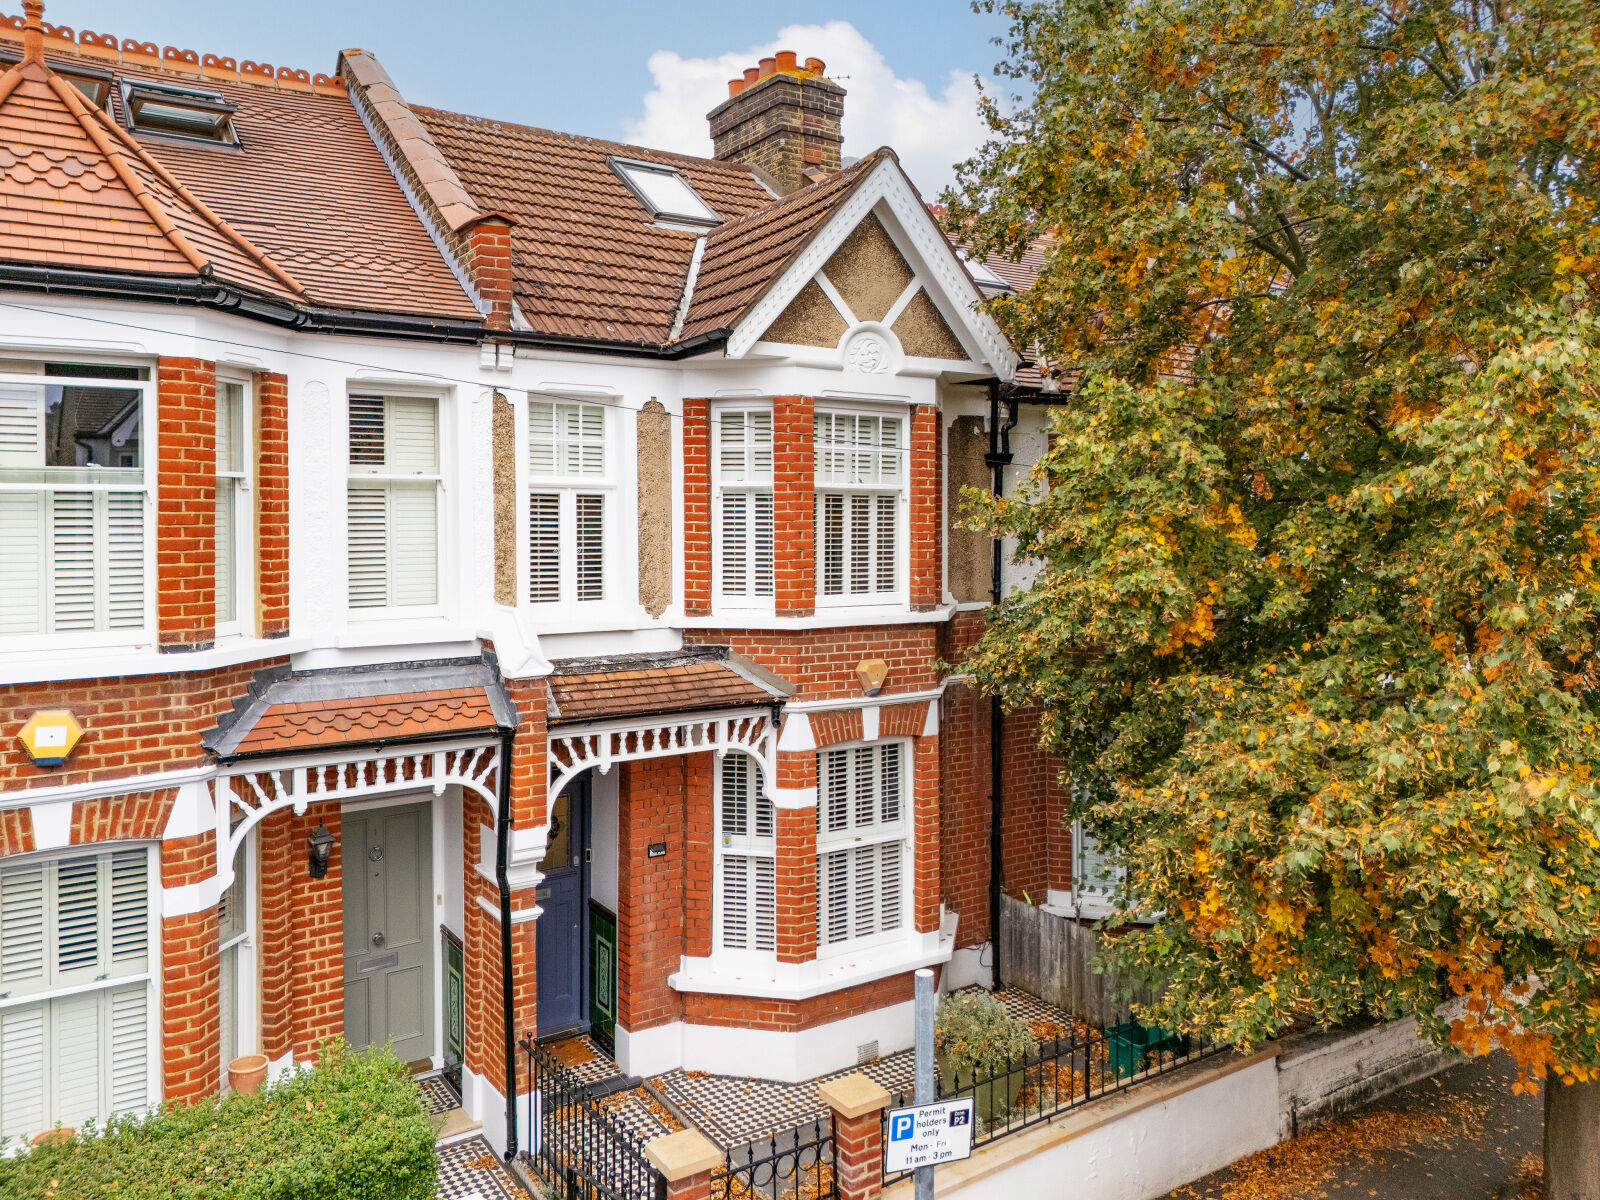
(926, 1135)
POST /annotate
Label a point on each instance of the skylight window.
(664, 192)
(184, 112)
(984, 275)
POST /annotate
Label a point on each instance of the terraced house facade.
(459, 579)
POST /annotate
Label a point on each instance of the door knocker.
(375, 854)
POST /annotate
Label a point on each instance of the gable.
(877, 282)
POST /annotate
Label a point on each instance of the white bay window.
(392, 503)
(747, 848)
(861, 503)
(742, 508)
(863, 834)
(569, 498)
(76, 1010)
(75, 501)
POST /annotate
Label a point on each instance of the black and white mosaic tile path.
(470, 1170)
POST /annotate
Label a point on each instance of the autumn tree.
(1318, 612)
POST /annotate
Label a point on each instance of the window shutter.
(832, 545)
(366, 431)
(72, 591)
(77, 917)
(541, 437)
(833, 897)
(736, 543)
(22, 1071)
(230, 427)
(544, 548)
(735, 902)
(590, 517)
(887, 538)
(22, 925)
(764, 904)
(890, 857)
(586, 439)
(367, 539)
(228, 1006)
(21, 419)
(130, 909)
(130, 1053)
(125, 560)
(22, 573)
(75, 1051)
(411, 435)
(735, 796)
(225, 565)
(413, 550)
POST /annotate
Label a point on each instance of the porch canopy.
(298, 737)
(624, 708)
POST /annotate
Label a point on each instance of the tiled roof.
(306, 190)
(588, 261)
(76, 190)
(744, 257)
(695, 680)
(372, 719)
(284, 711)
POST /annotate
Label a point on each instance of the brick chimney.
(782, 119)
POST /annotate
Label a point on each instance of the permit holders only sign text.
(928, 1134)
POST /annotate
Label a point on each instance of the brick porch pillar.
(687, 1159)
(857, 1103)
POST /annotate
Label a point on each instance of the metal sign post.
(924, 1044)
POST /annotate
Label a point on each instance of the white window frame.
(443, 530)
(567, 487)
(241, 944)
(853, 836)
(1092, 901)
(244, 557)
(751, 846)
(824, 485)
(148, 436)
(753, 484)
(149, 977)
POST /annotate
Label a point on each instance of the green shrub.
(975, 1035)
(355, 1128)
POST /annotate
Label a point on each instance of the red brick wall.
(272, 504)
(1036, 842)
(121, 818)
(821, 663)
(903, 720)
(796, 866)
(650, 891)
(792, 1015)
(925, 847)
(16, 831)
(831, 728)
(927, 574)
(964, 811)
(275, 929)
(488, 263)
(186, 421)
(793, 509)
(316, 987)
(132, 724)
(699, 865)
(696, 507)
(190, 1013)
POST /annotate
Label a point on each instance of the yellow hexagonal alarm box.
(49, 737)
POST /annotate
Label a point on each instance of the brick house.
(501, 578)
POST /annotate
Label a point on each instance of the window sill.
(823, 618)
(58, 665)
(364, 632)
(723, 975)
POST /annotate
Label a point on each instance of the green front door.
(455, 1008)
(388, 930)
(603, 977)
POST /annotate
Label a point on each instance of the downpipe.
(997, 459)
(502, 836)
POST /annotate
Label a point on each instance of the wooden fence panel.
(1051, 957)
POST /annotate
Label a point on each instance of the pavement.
(1460, 1135)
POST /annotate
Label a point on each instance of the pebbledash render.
(464, 545)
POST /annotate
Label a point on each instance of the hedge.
(355, 1128)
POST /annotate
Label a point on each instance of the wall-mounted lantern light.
(321, 842)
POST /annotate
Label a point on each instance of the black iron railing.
(795, 1164)
(575, 1144)
(1065, 1073)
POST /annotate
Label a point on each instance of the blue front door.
(560, 933)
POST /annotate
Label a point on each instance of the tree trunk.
(1571, 1140)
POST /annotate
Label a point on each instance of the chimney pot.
(815, 65)
(751, 74)
(735, 86)
(768, 66)
(791, 138)
(786, 60)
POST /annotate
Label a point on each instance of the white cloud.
(931, 133)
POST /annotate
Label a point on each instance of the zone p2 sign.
(926, 1135)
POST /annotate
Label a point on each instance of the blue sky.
(644, 72)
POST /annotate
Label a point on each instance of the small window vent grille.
(866, 1052)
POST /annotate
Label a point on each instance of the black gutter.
(502, 836)
(206, 293)
(709, 340)
(998, 459)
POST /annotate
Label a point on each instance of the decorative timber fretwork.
(244, 797)
(575, 749)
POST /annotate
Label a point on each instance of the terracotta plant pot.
(247, 1073)
(61, 1133)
